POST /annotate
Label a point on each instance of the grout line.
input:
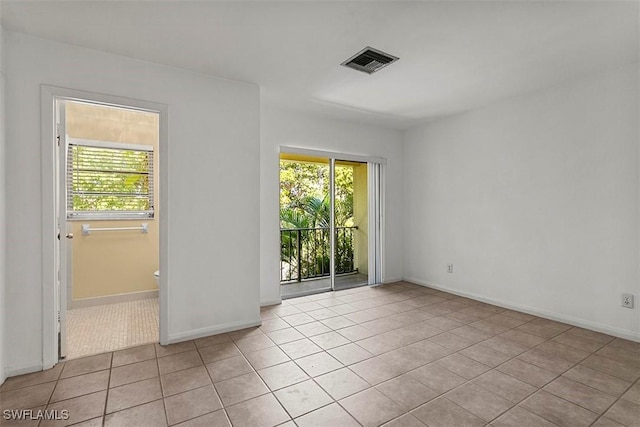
(126, 409)
(637, 381)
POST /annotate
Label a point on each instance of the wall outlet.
(449, 268)
(627, 300)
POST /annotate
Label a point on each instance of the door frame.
(63, 259)
(51, 245)
(376, 195)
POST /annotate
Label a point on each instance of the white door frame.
(50, 243)
(63, 261)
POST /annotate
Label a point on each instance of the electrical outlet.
(627, 300)
(449, 268)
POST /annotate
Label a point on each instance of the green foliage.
(304, 195)
(305, 209)
(105, 179)
(300, 181)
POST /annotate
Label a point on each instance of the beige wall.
(113, 262)
(361, 217)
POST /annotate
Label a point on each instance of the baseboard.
(270, 302)
(28, 368)
(213, 330)
(594, 326)
(113, 299)
(389, 280)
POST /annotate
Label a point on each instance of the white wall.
(283, 128)
(534, 200)
(212, 167)
(2, 211)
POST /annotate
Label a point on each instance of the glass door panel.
(351, 217)
(305, 244)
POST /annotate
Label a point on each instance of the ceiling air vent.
(369, 60)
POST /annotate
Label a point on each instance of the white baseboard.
(213, 330)
(113, 299)
(27, 368)
(270, 302)
(388, 280)
(594, 326)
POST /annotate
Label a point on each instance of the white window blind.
(109, 180)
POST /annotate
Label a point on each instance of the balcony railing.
(305, 253)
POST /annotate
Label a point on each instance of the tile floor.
(109, 327)
(398, 355)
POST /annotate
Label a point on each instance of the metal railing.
(305, 253)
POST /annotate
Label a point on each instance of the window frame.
(76, 215)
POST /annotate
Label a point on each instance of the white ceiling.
(454, 55)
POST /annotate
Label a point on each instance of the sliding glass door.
(325, 223)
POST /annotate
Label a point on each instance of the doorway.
(327, 221)
(108, 257)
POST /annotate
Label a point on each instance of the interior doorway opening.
(325, 224)
(108, 221)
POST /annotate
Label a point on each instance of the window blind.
(109, 180)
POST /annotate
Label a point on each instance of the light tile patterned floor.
(398, 355)
(93, 330)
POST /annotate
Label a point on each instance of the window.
(109, 180)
